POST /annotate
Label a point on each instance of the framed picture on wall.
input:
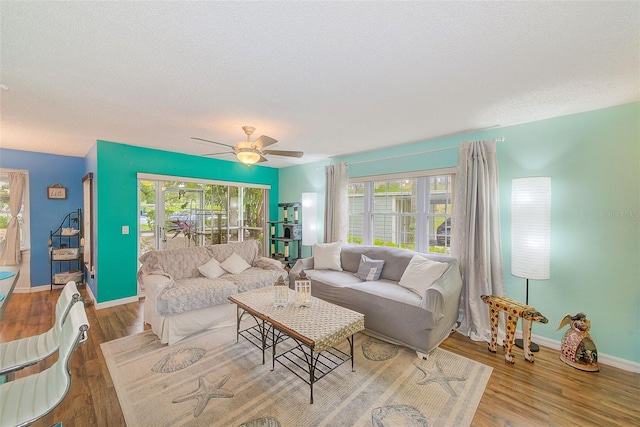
(56, 192)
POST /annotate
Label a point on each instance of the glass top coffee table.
(315, 330)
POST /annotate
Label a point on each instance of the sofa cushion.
(254, 278)
(396, 260)
(369, 269)
(326, 256)
(248, 250)
(177, 264)
(336, 278)
(211, 269)
(421, 273)
(234, 264)
(387, 290)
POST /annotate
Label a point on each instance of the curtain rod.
(454, 147)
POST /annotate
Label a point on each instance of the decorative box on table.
(65, 254)
(66, 276)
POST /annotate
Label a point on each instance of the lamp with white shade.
(309, 219)
(530, 231)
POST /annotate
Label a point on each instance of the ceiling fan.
(251, 153)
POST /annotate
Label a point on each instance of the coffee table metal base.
(308, 365)
(303, 361)
(260, 335)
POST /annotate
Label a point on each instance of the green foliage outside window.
(4, 221)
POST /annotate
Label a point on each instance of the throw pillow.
(369, 269)
(234, 264)
(326, 256)
(211, 269)
(421, 273)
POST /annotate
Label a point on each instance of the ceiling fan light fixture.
(248, 156)
(250, 153)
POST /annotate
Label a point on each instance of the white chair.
(28, 399)
(20, 353)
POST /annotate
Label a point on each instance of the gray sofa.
(391, 312)
(180, 300)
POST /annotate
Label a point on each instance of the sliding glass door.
(183, 213)
(184, 216)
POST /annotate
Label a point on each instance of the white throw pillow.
(234, 264)
(211, 269)
(421, 273)
(326, 256)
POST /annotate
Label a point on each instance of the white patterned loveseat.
(186, 289)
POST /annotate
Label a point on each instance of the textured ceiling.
(328, 78)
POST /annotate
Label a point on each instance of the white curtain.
(10, 254)
(336, 203)
(476, 234)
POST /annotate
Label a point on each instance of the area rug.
(210, 380)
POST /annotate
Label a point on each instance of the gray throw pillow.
(369, 269)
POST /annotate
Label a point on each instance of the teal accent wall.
(116, 178)
(593, 160)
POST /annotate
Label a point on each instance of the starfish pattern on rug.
(436, 375)
(206, 391)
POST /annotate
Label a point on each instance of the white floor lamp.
(530, 232)
(309, 219)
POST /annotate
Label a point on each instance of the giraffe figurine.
(514, 310)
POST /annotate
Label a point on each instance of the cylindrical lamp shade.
(531, 227)
(309, 219)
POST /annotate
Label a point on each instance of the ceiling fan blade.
(284, 153)
(215, 154)
(213, 142)
(264, 141)
(263, 159)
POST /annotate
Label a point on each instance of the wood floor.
(546, 393)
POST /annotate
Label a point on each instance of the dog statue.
(578, 349)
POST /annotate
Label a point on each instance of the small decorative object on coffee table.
(280, 293)
(578, 349)
(303, 290)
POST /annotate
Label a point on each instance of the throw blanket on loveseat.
(185, 286)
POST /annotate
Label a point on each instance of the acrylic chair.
(30, 398)
(20, 353)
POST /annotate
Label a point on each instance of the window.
(5, 211)
(410, 211)
(178, 212)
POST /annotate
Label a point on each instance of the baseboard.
(604, 359)
(90, 292)
(109, 304)
(91, 296)
(41, 288)
(116, 302)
